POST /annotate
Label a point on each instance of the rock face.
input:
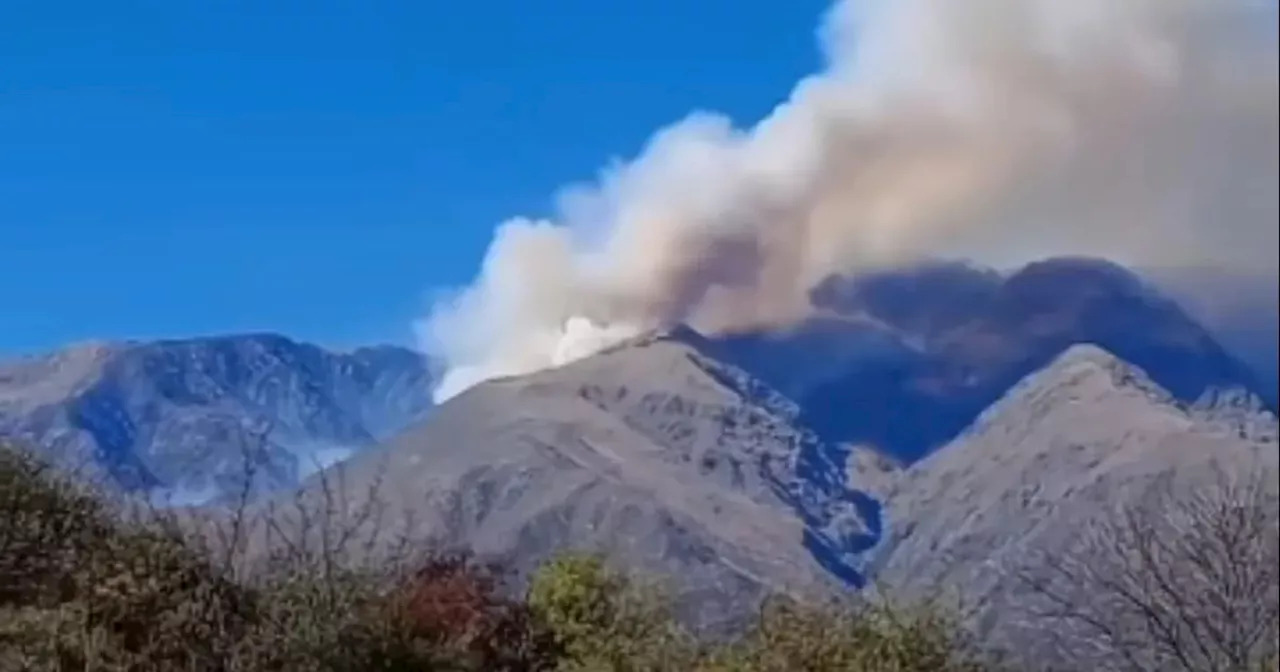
(652, 453)
(1063, 447)
(176, 419)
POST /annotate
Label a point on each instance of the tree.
(855, 636)
(1177, 580)
(602, 620)
(456, 603)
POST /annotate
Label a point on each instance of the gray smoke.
(1139, 130)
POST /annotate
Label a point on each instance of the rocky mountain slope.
(959, 398)
(176, 419)
(899, 360)
(676, 464)
(652, 453)
(1063, 447)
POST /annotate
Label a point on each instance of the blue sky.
(181, 167)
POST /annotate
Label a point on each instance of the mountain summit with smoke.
(1000, 130)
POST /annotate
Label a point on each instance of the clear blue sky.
(181, 167)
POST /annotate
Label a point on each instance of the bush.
(48, 526)
(792, 637)
(454, 603)
(82, 589)
(603, 621)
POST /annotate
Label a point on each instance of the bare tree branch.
(1176, 580)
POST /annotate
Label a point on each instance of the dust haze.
(998, 130)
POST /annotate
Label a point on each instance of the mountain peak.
(1085, 373)
(1088, 354)
(679, 333)
(1232, 406)
(1063, 446)
(1084, 359)
(649, 450)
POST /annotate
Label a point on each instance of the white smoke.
(1140, 130)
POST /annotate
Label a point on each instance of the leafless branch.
(1177, 580)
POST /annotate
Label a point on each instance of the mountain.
(922, 351)
(1241, 309)
(177, 419)
(824, 349)
(652, 452)
(959, 398)
(1064, 446)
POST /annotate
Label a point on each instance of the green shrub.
(605, 622)
(791, 637)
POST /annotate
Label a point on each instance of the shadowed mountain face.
(948, 340)
(825, 349)
(179, 419)
(1241, 309)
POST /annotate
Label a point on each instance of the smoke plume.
(1139, 130)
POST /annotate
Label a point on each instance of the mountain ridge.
(653, 453)
(1066, 445)
(177, 416)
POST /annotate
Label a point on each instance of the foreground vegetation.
(82, 589)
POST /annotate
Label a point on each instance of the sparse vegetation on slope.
(84, 589)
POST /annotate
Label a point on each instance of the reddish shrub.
(455, 601)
